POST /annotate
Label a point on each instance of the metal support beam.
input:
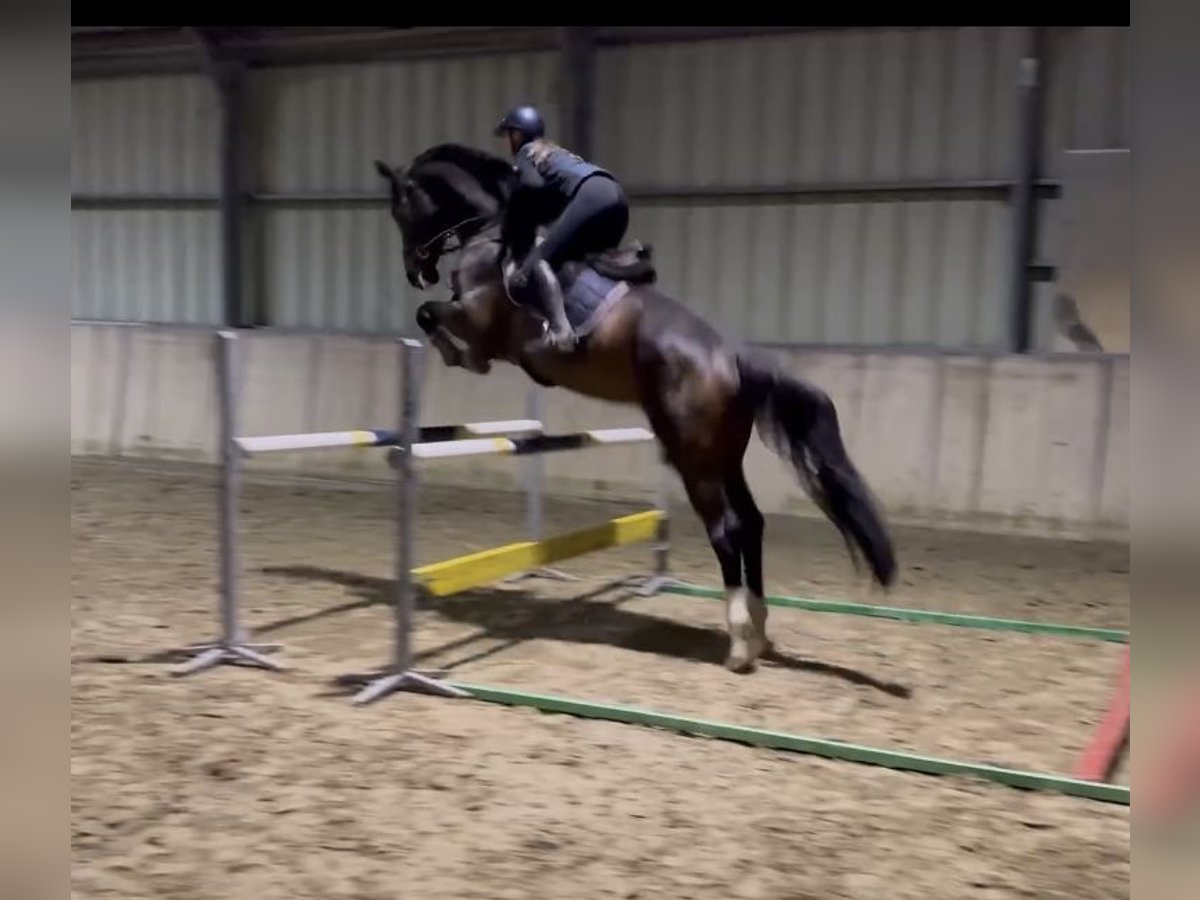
(144, 201)
(815, 192)
(629, 35)
(231, 83)
(229, 77)
(577, 68)
(162, 51)
(1001, 191)
(165, 50)
(1031, 126)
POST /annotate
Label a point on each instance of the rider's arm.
(528, 175)
(519, 228)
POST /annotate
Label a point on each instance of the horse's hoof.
(740, 665)
(744, 654)
(746, 642)
(476, 366)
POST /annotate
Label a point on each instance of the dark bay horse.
(702, 397)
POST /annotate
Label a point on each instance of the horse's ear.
(385, 170)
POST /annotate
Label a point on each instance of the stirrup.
(545, 342)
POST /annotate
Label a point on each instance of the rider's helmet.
(526, 121)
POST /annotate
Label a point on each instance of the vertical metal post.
(230, 646)
(662, 547)
(535, 470)
(1031, 91)
(231, 478)
(577, 65)
(231, 79)
(660, 576)
(406, 498)
(402, 675)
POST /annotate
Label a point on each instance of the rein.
(455, 230)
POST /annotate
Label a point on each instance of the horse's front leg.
(443, 322)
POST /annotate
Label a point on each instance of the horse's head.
(448, 192)
(412, 210)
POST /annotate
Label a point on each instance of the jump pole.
(271, 443)
(231, 647)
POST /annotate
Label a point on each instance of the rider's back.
(554, 172)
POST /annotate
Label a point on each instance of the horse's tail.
(799, 422)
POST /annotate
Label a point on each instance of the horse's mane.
(492, 172)
(495, 177)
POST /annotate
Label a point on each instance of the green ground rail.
(778, 740)
(904, 614)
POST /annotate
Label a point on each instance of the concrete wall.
(1020, 444)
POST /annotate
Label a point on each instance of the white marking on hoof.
(746, 635)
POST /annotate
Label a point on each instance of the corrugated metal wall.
(320, 129)
(816, 107)
(821, 107)
(145, 136)
(1089, 102)
(844, 273)
(146, 265)
(1088, 107)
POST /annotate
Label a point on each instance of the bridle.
(434, 247)
(423, 252)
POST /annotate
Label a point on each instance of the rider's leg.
(535, 284)
(605, 229)
(595, 219)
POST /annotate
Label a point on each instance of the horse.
(702, 396)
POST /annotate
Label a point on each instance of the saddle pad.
(589, 297)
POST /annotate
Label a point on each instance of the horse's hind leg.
(726, 536)
(752, 524)
(689, 414)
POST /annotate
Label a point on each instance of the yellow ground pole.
(475, 569)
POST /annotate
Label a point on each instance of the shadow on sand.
(512, 616)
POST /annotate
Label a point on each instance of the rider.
(584, 206)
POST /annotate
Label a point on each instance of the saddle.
(632, 263)
(592, 286)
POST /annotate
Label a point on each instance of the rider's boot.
(545, 294)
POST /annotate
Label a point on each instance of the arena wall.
(1016, 444)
